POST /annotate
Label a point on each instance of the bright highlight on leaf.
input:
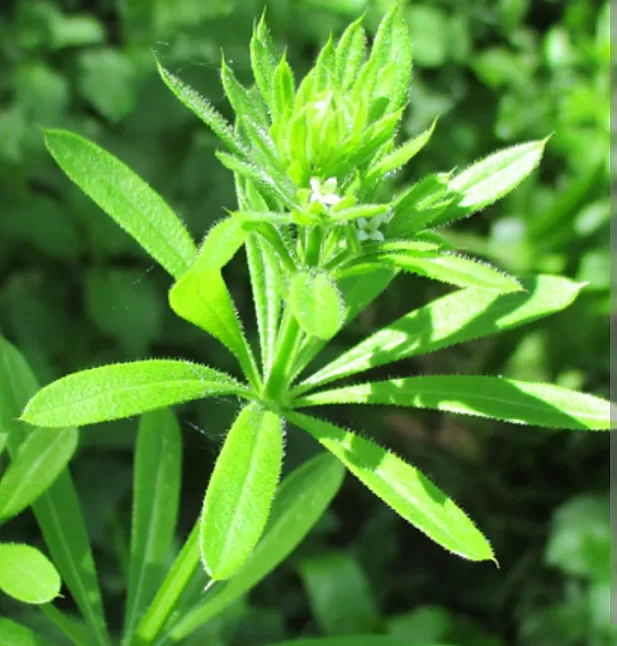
(458, 317)
(39, 461)
(126, 198)
(240, 492)
(519, 402)
(316, 304)
(402, 487)
(27, 575)
(124, 389)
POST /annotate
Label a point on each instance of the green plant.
(323, 236)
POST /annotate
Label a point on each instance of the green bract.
(323, 237)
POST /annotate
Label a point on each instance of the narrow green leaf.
(202, 298)
(267, 289)
(39, 461)
(419, 205)
(455, 318)
(124, 389)
(204, 110)
(126, 198)
(156, 497)
(339, 594)
(67, 542)
(316, 304)
(402, 487)
(400, 156)
(14, 634)
(456, 270)
(263, 60)
(27, 575)
(220, 244)
(519, 402)
(300, 502)
(284, 88)
(324, 74)
(392, 44)
(241, 490)
(261, 177)
(350, 53)
(490, 179)
(240, 98)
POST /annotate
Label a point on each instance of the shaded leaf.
(156, 497)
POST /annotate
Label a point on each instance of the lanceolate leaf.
(27, 575)
(462, 316)
(401, 156)
(350, 52)
(204, 110)
(316, 304)
(39, 461)
(241, 490)
(202, 298)
(455, 270)
(239, 97)
(300, 502)
(156, 496)
(488, 180)
(402, 487)
(263, 60)
(124, 389)
(519, 402)
(126, 198)
(68, 543)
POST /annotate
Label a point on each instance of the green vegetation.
(325, 198)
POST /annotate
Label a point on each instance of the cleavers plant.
(324, 235)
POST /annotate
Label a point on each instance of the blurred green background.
(75, 291)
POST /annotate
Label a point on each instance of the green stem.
(170, 591)
(276, 384)
(313, 246)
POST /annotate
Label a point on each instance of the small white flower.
(324, 193)
(368, 229)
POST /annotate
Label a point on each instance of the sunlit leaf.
(455, 270)
(39, 461)
(124, 389)
(27, 575)
(316, 304)
(519, 402)
(126, 198)
(462, 316)
(402, 487)
(300, 502)
(241, 490)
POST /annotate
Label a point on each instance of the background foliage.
(75, 291)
